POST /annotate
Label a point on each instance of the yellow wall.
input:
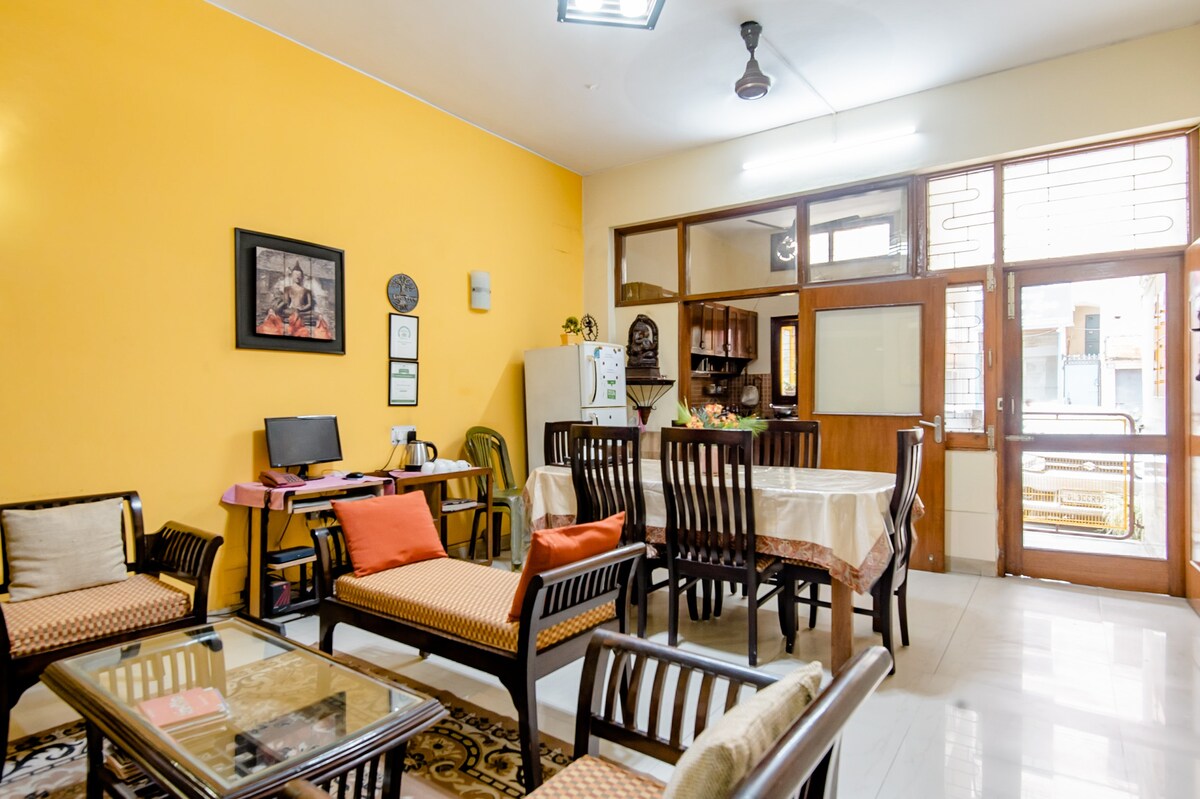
(134, 137)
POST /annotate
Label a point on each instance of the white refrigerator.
(579, 381)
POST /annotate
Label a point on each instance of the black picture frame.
(266, 319)
(401, 347)
(396, 398)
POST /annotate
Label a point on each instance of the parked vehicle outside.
(1080, 493)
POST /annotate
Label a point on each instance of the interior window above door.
(751, 251)
(650, 265)
(858, 235)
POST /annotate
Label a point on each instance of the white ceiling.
(591, 98)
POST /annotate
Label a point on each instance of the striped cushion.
(592, 777)
(49, 622)
(458, 597)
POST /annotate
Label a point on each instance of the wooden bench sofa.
(630, 695)
(459, 610)
(40, 630)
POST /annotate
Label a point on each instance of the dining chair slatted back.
(707, 484)
(894, 580)
(789, 442)
(556, 444)
(710, 530)
(606, 473)
(909, 453)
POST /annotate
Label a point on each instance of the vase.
(569, 338)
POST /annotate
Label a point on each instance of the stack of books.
(119, 763)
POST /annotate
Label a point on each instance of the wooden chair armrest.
(615, 672)
(560, 594)
(333, 558)
(184, 553)
(6, 647)
(808, 751)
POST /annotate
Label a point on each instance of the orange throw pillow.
(559, 546)
(384, 532)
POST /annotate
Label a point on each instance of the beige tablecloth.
(830, 517)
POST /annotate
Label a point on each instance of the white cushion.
(733, 745)
(55, 550)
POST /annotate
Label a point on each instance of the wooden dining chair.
(556, 445)
(894, 580)
(709, 496)
(606, 473)
(789, 442)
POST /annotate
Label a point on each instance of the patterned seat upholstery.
(592, 777)
(457, 597)
(49, 622)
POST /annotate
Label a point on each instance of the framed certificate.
(402, 383)
(402, 336)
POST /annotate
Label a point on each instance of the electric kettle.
(418, 453)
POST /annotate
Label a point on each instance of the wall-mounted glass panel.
(651, 268)
(858, 235)
(964, 358)
(1120, 389)
(962, 220)
(868, 360)
(743, 252)
(1115, 199)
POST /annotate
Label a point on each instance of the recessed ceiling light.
(622, 13)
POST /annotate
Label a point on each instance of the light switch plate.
(400, 433)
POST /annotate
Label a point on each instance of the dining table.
(834, 519)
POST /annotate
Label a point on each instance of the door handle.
(1018, 438)
(936, 424)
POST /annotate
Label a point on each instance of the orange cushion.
(389, 531)
(559, 546)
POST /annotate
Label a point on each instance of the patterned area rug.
(473, 753)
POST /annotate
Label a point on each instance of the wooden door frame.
(1086, 568)
(929, 552)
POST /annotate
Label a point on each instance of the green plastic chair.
(486, 447)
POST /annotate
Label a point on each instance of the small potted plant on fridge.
(572, 330)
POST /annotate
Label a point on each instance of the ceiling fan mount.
(753, 84)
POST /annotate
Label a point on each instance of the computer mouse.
(353, 475)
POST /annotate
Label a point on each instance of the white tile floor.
(1011, 688)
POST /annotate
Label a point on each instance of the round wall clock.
(402, 293)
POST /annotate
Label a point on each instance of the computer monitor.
(302, 440)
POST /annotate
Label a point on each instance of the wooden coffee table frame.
(105, 718)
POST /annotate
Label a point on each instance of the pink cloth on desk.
(256, 495)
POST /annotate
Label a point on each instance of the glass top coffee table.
(232, 710)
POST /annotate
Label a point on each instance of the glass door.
(1090, 410)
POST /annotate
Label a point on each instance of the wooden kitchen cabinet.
(742, 329)
(708, 323)
(722, 331)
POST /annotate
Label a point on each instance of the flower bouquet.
(717, 417)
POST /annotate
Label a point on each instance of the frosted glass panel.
(868, 360)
